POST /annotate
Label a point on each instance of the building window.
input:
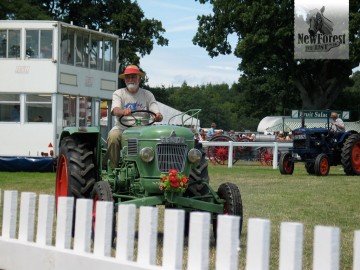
(39, 44)
(85, 115)
(9, 108)
(67, 46)
(109, 55)
(9, 43)
(69, 109)
(39, 108)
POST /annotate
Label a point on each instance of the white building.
(53, 75)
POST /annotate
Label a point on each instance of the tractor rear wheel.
(75, 175)
(322, 165)
(286, 165)
(350, 156)
(233, 203)
(101, 192)
(309, 166)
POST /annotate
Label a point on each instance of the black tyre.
(350, 156)
(233, 203)
(286, 165)
(75, 175)
(309, 166)
(101, 192)
(322, 165)
(197, 176)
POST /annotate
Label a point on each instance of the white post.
(45, 220)
(199, 240)
(64, 222)
(228, 243)
(9, 214)
(356, 260)
(147, 235)
(326, 248)
(275, 155)
(291, 246)
(103, 228)
(230, 157)
(173, 239)
(83, 225)
(258, 244)
(125, 232)
(27, 216)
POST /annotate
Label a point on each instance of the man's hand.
(158, 117)
(127, 111)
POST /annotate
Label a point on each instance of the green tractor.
(149, 155)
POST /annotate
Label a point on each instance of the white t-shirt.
(142, 100)
(336, 128)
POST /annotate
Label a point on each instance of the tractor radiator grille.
(132, 147)
(171, 156)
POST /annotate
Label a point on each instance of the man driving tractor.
(125, 101)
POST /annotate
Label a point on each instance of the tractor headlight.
(147, 154)
(194, 155)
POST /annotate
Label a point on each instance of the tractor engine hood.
(165, 132)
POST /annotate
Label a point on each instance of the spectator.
(289, 136)
(280, 136)
(211, 131)
(202, 135)
(232, 134)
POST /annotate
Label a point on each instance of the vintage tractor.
(320, 148)
(149, 153)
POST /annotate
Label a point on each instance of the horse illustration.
(318, 22)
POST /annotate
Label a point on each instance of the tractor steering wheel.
(137, 119)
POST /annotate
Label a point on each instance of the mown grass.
(311, 200)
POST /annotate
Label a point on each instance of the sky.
(181, 60)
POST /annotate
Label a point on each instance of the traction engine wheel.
(219, 154)
(322, 165)
(286, 165)
(350, 156)
(233, 203)
(101, 192)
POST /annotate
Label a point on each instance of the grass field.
(331, 201)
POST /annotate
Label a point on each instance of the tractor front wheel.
(286, 164)
(322, 165)
(232, 205)
(350, 156)
(101, 192)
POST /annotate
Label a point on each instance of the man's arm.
(119, 112)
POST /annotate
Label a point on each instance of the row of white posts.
(232, 144)
(32, 248)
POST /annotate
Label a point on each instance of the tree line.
(241, 106)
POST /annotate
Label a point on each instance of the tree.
(215, 101)
(265, 46)
(349, 98)
(121, 17)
